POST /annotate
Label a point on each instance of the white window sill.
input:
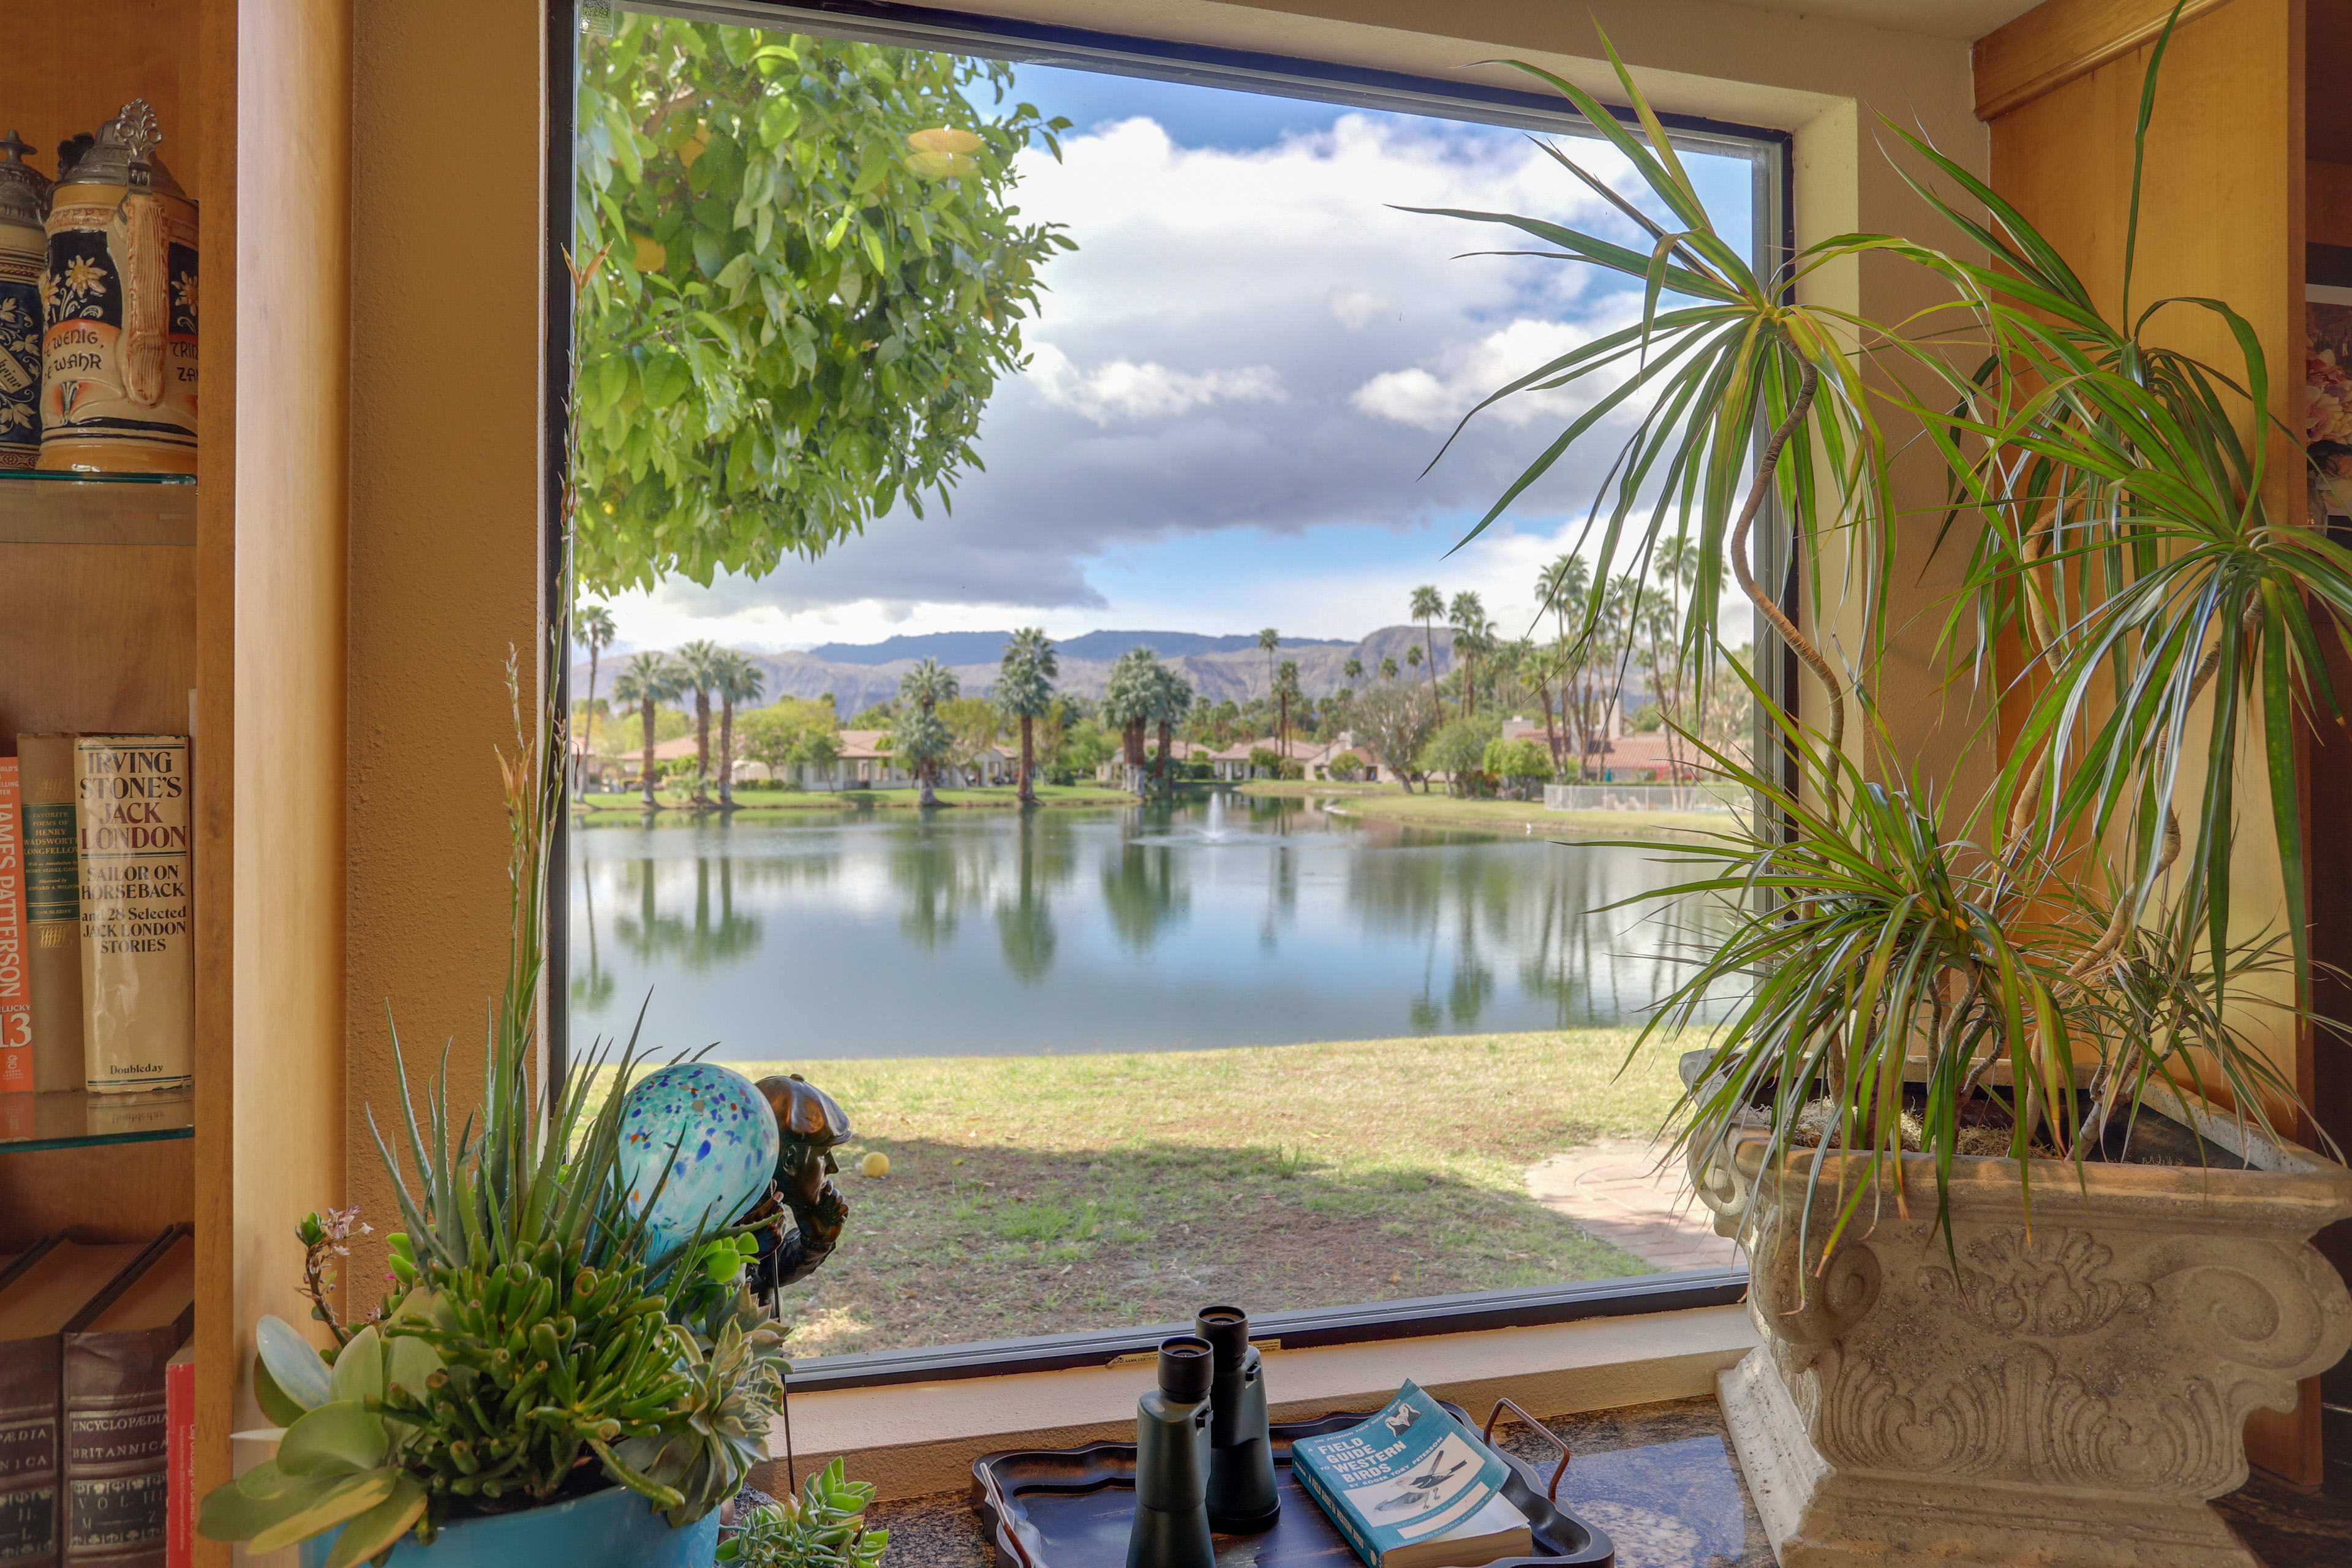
(916, 1438)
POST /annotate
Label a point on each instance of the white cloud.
(1435, 398)
(1122, 389)
(1354, 308)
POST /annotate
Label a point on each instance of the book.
(44, 1291)
(15, 983)
(180, 1498)
(116, 1434)
(44, 770)
(138, 919)
(1412, 1487)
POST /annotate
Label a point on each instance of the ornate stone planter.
(2067, 1397)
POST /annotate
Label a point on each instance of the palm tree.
(650, 680)
(1025, 691)
(1388, 668)
(921, 736)
(1286, 692)
(1353, 670)
(592, 625)
(700, 660)
(1170, 700)
(1268, 640)
(1566, 580)
(1468, 618)
(1428, 606)
(1412, 658)
(1127, 701)
(739, 681)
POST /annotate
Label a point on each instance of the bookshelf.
(211, 604)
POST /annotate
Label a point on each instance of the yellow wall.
(446, 220)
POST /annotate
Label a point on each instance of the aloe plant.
(2108, 494)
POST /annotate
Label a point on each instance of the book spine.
(16, 981)
(116, 1447)
(44, 765)
(180, 1463)
(28, 1452)
(1312, 1481)
(138, 918)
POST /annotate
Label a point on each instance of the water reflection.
(1223, 920)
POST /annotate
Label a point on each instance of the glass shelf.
(43, 507)
(72, 1120)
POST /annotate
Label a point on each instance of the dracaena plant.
(2108, 494)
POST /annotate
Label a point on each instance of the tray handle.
(1486, 1435)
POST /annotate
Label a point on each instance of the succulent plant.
(341, 1462)
(712, 1436)
(824, 1527)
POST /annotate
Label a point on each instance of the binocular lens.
(1186, 1364)
(1227, 1329)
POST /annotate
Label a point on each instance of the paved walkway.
(1615, 1190)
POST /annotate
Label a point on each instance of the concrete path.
(1615, 1190)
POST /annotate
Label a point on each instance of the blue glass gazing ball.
(725, 1139)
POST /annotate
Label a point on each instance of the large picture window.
(972, 412)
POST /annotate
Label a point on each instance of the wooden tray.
(1070, 1508)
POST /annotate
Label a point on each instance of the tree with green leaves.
(810, 276)
(1129, 691)
(739, 680)
(699, 661)
(1353, 670)
(1428, 608)
(1170, 696)
(650, 680)
(1388, 668)
(1472, 641)
(791, 734)
(1268, 640)
(920, 737)
(1285, 692)
(1024, 692)
(592, 628)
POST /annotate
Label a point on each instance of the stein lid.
(121, 154)
(24, 194)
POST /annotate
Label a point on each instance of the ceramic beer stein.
(23, 200)
(119, 357)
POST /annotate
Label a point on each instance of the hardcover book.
(45, 769)
(1411, 1488)
(15, 983)
(116, 1436)
(180, 1458)
(138, 965)
(42, 1293)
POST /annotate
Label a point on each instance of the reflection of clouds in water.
(880, 933)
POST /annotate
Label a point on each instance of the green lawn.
(1038, 1195)
(1387, 803)
(766, 800)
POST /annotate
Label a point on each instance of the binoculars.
(1203, 1460)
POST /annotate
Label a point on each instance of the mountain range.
(1221, 668)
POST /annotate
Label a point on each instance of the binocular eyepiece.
(1203, 1460)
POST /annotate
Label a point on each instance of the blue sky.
(1235, 384)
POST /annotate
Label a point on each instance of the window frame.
(1769, 151)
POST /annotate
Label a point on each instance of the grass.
(1387, 803)
(1004, 797)
(1038, 1195)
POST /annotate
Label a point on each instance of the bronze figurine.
(809, 1125)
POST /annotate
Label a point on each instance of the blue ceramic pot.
(608, 1529)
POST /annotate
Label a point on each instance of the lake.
(1221, 919)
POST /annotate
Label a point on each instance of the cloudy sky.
(1235, 382)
